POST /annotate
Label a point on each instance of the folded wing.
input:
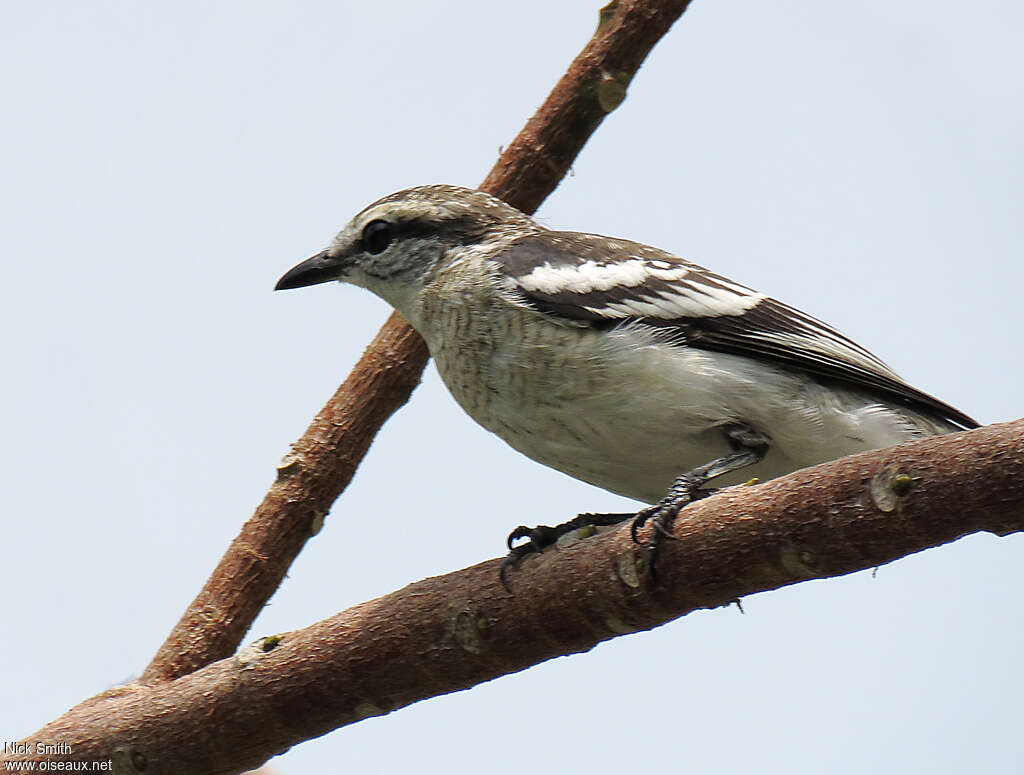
(604, 282)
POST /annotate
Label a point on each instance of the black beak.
(321, 268)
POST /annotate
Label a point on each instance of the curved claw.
(520, 532)
(537, 538)
(639, 521)
(663, 526)
(637, 524)
(511, 561)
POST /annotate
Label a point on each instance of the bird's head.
(394, 244)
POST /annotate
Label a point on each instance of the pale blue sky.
(165, 164)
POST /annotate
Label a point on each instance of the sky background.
(164, 164)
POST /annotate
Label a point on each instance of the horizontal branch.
(451, 632)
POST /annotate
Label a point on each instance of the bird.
(615, 362)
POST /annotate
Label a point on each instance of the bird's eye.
(376, 236)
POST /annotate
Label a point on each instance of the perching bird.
(615, 362)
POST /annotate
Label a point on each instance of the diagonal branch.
(452, 632)
(324, 460)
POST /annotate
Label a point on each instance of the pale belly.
(631, 419)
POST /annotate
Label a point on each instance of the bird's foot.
(541, 537)
(689, 487)
(662, 515)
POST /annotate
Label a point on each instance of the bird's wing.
(605, 282)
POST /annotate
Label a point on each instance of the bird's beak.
(321, 268)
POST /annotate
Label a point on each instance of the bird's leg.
(749, 447)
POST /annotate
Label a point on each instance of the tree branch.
(324, 460)
(451, 632)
